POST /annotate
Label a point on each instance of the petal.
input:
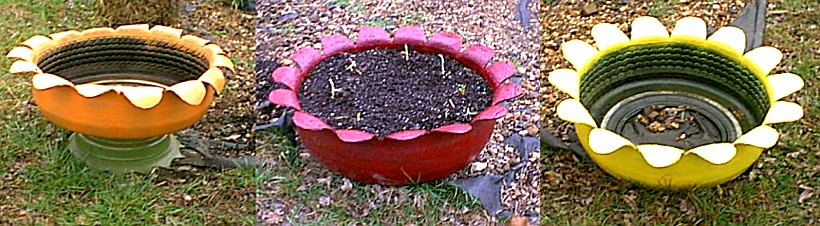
(144, 97)
(716, 153)
(478, 54)
(309, 122)
(223, 62)
(765, 57)
(648, 27)
(135, 30)
(573, 111)
(168, 32)
(784, 84)
(44, 81)
(214, 49)
(603, 141)
(762, 137)
(22, 66)
(20, 53)
(195, 41)
(782, 111)
(578, 53)
(731, 37)
(36, 42)
(607, 35)
(353, 136)
(334, 44)
(500, 71)
(505, 92)
(284, 97)
(406, 134)
(306, 57)
(214, 77)
(457, 128)
(65, 36)
(448, 42)
(191, 91)
(692, 27)
(410, 35)
(98, 32)
(566, 80)
(659, 156)
(492, 113)
(289, 76)
(91, 90)
(369, 36)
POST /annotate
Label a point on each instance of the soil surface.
(382, 91)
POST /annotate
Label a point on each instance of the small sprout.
(352, 65)
(446, 113)
(462, 89)
(358, 116)
(442, 63)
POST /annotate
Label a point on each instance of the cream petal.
(138, 30)
(573, 111)
(91, 90)
(782, 111)
(224, 62)
(607, 35)
(603, 141)
(690, 27)
(166, 31)
(192, 92)
(98, 32)
(659, 156)
(765, 57)
(785, 84)
(44, 81)
(195, 41)
(214, 77)
(566, 80)
(20, 52)
(62, 37)
(578, 53)
(22, 66)
(36, 42)
(214, 49)
(144, 97)
(648, 27)
(762, 137)
(732, 37)
(716, 153)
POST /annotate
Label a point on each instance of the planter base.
(119, 156)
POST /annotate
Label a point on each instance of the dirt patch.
(383, 91)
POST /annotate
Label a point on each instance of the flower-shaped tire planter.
(122, 90)
(746, 96)
(406, 156)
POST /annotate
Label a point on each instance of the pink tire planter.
(408, 156)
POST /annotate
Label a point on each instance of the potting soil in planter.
(383, 91)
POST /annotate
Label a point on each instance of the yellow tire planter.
(719, 57)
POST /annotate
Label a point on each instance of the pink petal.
(407, 134)
(370, 36)
(353, 136)
(410, 35)
(450, 43)
(500, 71)
(492, 113)
(457, 128)
(284, 97)
(478, 54)
(289, 76)
(309, 122)
(306, 57)
(505, 92)
(334, 44)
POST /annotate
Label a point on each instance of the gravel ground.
(284, 27)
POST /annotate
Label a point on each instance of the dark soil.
(383, 91)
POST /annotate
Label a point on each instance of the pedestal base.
(119, 156)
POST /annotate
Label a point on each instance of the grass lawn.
(41, 183)
(782, 188)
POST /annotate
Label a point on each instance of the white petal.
(690, 27)
(659, 156)
(603, 141)
(762, 137)
(44, 81)
(607, 35)
(716, 153)
(731, 37)
(192, 91)
(648, 27)
(766, 58)
(782, 111)
(22, 66)
(566, 80)
(91, 90)
(20, 52)
(214, 77)
(573, 111)
(144, 97)
(784, 84)
(578, 53)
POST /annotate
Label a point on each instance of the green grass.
(292, 182)
(42, 184)
(588, 196)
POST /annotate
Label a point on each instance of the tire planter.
(730, 94)
(408, 156)
(123, 90)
